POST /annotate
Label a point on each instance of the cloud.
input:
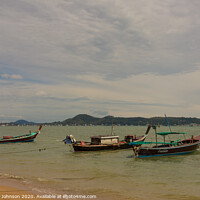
(11, 76)
(41, 93)
(8, 118)
(140, 95)
(109, 56)
(110, 38)
(100, 113)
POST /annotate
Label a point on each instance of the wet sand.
(17, 189)
(14, 189)
(7, 192)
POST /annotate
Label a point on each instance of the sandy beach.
(7, 192)
(14, 189)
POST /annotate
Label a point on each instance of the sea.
(51, 167)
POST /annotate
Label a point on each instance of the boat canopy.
(169, 133)
(104, 139)
(142, 142)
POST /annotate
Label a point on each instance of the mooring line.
(32, 150)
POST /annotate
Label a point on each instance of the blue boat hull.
(171, 154)
(184, 147)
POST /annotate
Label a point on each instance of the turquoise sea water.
(106, 174)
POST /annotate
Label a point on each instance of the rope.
(32, 150)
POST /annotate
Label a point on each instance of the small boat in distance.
(104, 142)
(21, 138)
(178, 147)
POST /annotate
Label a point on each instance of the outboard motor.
(69, 139)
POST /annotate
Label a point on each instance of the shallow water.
(51, 166)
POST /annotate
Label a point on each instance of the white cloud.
(11, 76)
(110, 38)
(139, 95)
(41, 93)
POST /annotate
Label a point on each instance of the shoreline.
(17, 188)
(11, 188)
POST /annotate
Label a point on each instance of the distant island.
(87, 120)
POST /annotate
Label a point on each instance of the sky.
(125, 58)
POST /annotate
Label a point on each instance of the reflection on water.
(52, 164)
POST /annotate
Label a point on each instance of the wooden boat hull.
(79, 147)
(153, 152)
(105, 142)
(185, 147)
(28, 138)
(22, 138)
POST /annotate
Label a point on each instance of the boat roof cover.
(142, 142)
(168, 133)
(105, 136)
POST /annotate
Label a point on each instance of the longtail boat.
(21, 138)
(104, 142)
(178, 147)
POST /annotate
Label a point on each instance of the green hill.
(80, 119)
(83, 119)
